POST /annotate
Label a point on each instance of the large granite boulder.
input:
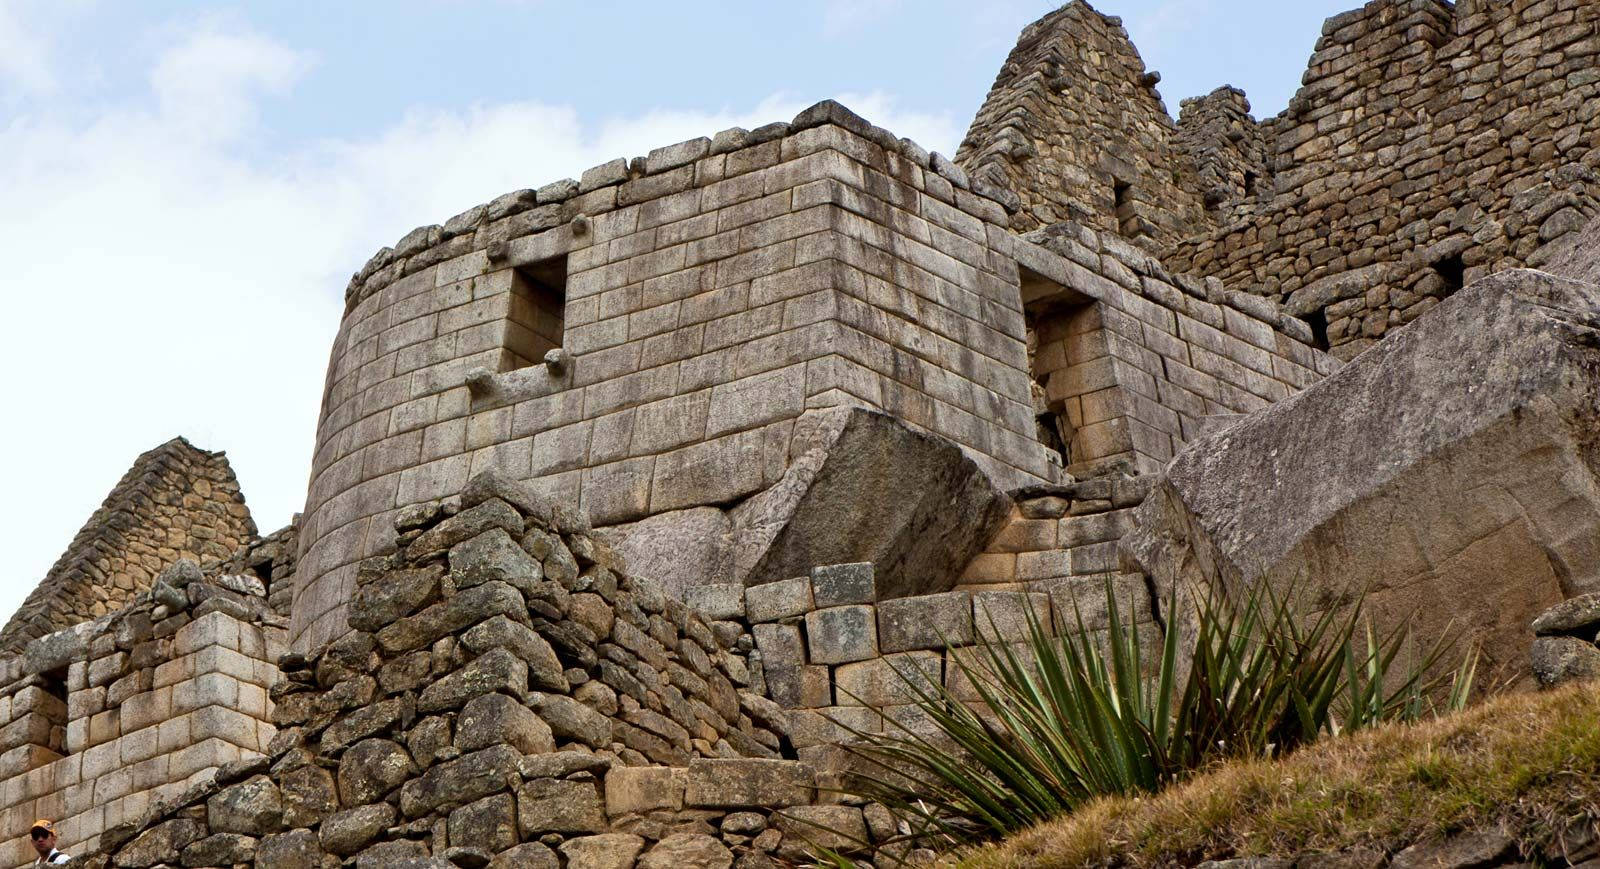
(863, 486)
(1450, 471)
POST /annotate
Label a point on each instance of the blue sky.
(187, 186)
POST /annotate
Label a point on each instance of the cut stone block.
(864, 487)
(748, 782)
(889, 680)
(927, 622)
(1451, 466)
(1003, 615)
(841, 634)
(840, 584)
(779, 600)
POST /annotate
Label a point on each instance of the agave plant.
(1064, 718)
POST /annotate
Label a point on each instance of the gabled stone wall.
(176, 501)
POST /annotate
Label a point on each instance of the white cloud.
(207, 82)
(848, 17)
(24, 53)
(161, 283)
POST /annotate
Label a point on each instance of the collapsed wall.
(175, 502)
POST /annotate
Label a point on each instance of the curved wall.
(713, 292)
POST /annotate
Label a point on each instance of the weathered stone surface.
(1413, 473)
(1564, 659)
(349, 831)
(931, 621)
(401, 593)
(687, 851)
(528, 855)
(309, 795)
(495, 670)
(220, 849)
(493, 555)
(473, 605)
(466, 778)
(254, 808)
(605, 851)
(1579, 615)
(544, 668)
(841, 584)
(640, 789)
(783, 599)
(841, 634)
(371, 769)
(555, 806)
(571, 720)
(679, 549)
(296, 849)
(1461, 851)
(489, 823)
(495, 718)
(863, 487)
(748, 782)
(807, 828)
(161, 843)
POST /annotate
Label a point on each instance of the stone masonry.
(175, 502)
(637, 498)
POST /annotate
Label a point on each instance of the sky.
(185, 188)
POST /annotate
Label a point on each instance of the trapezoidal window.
(1453, 271)
(1122, 201)
(538, 302)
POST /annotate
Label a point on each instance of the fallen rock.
(1564, 659)
(863, 486)
(1465, 494)
(1578, 615)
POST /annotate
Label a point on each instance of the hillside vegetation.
(1527, 763)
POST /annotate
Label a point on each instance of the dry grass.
(1530, 762)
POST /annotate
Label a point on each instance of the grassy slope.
(1529, 761)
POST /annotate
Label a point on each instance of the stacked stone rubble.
(176, 501)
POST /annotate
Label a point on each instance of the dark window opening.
(1318, 321)
(1452, 271)
(54, 684)
(1249, 183)
(1128, 222)
(538, 305)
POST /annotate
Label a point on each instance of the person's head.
(44, 836)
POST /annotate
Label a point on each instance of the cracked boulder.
(862, 486)
(1450, 471)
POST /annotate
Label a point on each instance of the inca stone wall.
(176, 501)
(1429, 146)
(1073, 129)
(716, 291)
(510, 695)
(107, 718)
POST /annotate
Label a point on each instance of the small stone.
(1557, 660)
(687, 851)
(557, 806)
(253, 807)
(840, 584)
(605, 851)
(1460, 851)
(495, 670)
(841, 634)
(347, 832)
(1578, 615)
(495, 718)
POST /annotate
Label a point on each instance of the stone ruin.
(635, 496)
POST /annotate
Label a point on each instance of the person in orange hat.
(44, 841)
